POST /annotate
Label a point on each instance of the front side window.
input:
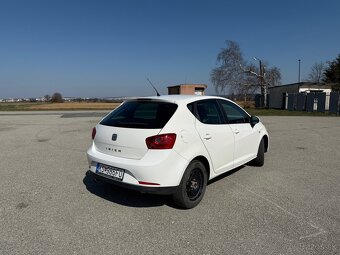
(208, 112)
(234, 113)
(141, 114)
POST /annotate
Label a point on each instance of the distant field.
(109, 106)
(56, 106)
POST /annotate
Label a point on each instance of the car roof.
(181, 99)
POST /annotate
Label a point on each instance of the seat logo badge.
(114, 137)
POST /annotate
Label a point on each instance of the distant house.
(187, 89)
(278, 94)
(69, 99)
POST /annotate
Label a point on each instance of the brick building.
(187, 89)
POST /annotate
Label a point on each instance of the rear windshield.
(140, 114)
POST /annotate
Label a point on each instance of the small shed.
(187, 89)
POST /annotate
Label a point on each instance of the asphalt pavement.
(48, 205)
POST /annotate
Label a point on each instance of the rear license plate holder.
(110, 171)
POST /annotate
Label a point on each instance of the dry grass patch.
(249, 104)
(74, 106)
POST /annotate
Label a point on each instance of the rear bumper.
(146, 189)
(162, 167)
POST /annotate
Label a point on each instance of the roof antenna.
(153, 87)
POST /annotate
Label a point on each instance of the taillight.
(165, 141)
(94, 131)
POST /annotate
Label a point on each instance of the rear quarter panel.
(188, 143)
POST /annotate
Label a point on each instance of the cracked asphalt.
(48, 205)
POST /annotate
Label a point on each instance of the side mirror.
(254, 120)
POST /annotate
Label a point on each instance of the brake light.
(94, 132)
(159, 142)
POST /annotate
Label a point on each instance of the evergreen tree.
(332, 73)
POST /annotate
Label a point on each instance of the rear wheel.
(192, 187)
(259, 160)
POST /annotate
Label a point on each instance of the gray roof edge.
(299, 84)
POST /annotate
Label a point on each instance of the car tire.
(259, 160)
(192, 186)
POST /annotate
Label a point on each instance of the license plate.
(114, 172)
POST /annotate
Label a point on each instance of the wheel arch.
(205, 162)
(266, 143)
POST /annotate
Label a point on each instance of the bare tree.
(248, 87)
(317, 72)
(263, 78)
(239, 76)
(228, 74)
(273, 77)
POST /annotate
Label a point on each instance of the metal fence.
(259, 101)
(313, 102)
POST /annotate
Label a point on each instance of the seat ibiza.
(174, 144)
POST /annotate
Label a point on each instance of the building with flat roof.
(187, 89)
(278, 94)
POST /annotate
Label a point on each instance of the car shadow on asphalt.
(225, 175)
(132, 198)
(125, 197)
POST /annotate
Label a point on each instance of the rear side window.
(141, 114)
(208, 112)
(234, 113)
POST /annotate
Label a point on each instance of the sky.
(99, 48)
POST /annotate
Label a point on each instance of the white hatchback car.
(174, 144)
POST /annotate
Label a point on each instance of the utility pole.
(299, 70)
(261, 74)
(263, 84)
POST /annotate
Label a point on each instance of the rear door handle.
(207, 136)
(236, 131)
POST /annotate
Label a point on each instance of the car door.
(216, 135)
(246, 137)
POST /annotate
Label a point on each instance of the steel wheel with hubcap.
(192, 187)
